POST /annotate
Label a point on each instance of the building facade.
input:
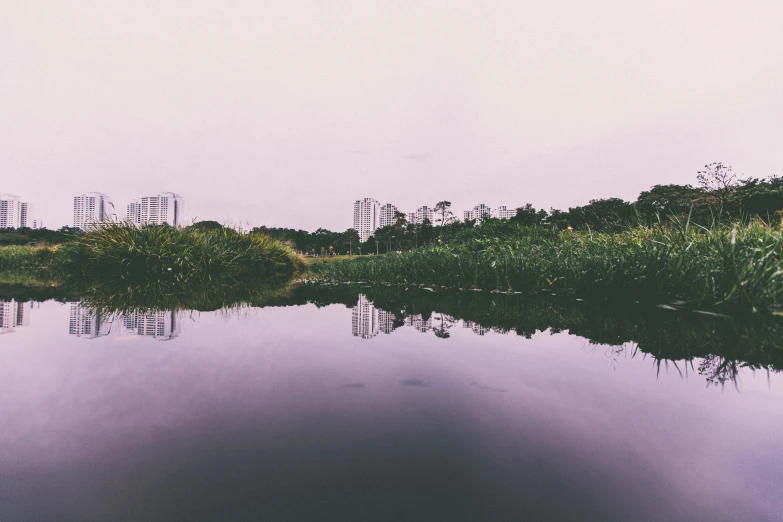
(421, 214)
(478, 213)
(15, 213)
(503, 212)
(366, 217)
(387, 215)
(165, 208)
(364, 319)
(161, 325)
(92, 209)
(13, 314)
(87, 323)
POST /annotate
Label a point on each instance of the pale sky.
(284, 113)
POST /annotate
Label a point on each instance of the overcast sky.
(283, 113)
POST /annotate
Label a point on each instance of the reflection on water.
(14, 314)
(433, 406)
(88, 322)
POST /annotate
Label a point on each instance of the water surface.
(372, 404)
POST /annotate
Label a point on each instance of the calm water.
(344, 410)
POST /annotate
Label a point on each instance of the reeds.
(166, 253)
(731, 265)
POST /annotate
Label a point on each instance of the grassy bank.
(118, 251)
(733, 266)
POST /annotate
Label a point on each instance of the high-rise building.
(418, 322)
(87, 323)
(503, 212)
(387, 215)
(420, 215)
(364, 319)
(478, 213)
(91, 209)
(366, 217)
(166, 207)
(386, 321)
(13, 314)
(15, 213)
(158, 324)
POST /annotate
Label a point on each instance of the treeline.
(719, 196)
(30, 236)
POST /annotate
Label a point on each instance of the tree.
(350, 238)
(667, 201)
(206, 225)
(719, 182)
(529, 216)
(446, 217)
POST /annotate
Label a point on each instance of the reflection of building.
(478, 213)
(91, 209)
(420, 215)
(387, 215)
(366, 217)
(386, 321)
(364, 320)
(166, 207)
(418, 322)
(477, 328)
(87, 322)
(13, 314)
(158, 324)
(15, 213)
(503, 212)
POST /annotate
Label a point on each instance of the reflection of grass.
(739, 265)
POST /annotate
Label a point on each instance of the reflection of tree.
(442, 330)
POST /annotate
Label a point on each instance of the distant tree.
(424, 232)
(206, 225)
(529, 216)
(351, 240)
(666, 201)
(719, 183)
(445, 216)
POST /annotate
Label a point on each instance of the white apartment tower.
(420, 215)
(15, 213)
(166, 207)
(478, 213)
(13, 314)
(503, 212)
(159, 324)
(87, 323)
(364, 319)
(366, 217)
(91, 209)
(387, 215)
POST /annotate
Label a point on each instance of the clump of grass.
(167, 253)
(731, 265)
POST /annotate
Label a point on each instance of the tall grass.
(737, 265)
(168, 253)
(30, 257)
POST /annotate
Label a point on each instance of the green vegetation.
(159, 253)
(728, 265)
(182, 254)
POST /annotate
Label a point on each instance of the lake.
(360, 403)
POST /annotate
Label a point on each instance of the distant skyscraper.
(420, 215)
(418, 322)
(87, 323)
(387, 215)
(364, 319)
(386, 321)
(366, 217)
(478, 213)
(92, 209)
(503, 212)
(13, 314)
(15, 213)
(158, 324)
(166, 207)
